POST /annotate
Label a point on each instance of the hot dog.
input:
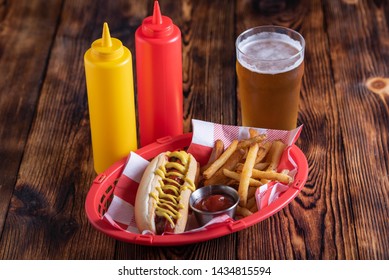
(162, 199)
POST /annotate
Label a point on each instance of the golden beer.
(269, 67)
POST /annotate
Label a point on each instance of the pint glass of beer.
(269, 67)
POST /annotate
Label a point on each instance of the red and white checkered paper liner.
(121, 210)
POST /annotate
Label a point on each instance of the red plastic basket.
(101, 192)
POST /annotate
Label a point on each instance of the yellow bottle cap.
(107, 48)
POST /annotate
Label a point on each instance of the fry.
(239, 167)
(217, 150)
(264, 181)
(246, 174)
(242, 211)
(219, 178)
(232, 183)
(221, 160)
(243, 144)
(253, 132)
(262, 152)
(251, 191)
(261, 165)
(254, 208)
(275, 153)
(236, 176)
(271, 175)
(251, 202)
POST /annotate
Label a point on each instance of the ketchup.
(214, 203)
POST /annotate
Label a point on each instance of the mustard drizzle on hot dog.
(169, 190)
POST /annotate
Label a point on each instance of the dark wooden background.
(46, 163)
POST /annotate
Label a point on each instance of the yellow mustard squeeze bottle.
(110, 87)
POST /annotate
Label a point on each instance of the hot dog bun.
(144, 204)
(155, 192)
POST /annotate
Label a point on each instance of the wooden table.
(46, 165)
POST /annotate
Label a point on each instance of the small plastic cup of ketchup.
(212, 201)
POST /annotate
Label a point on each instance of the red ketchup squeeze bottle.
(159, 78)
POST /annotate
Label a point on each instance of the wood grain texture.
(27, 31)
(358, 56)
(46, 159)
(47, 208)
(208, 61)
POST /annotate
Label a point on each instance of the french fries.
(271, 175)
(217, 150)
(243, 144)
(211, 170)
(246, 174)
(237, 177)
(262, 152)
(276, 150)
(244, 212)
(246, 165)
(230, 164)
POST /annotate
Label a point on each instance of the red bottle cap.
(157, 25)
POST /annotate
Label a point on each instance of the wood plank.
(47, 209)
(307, 228)
(208, 61)
(363, 53)
(26, 34)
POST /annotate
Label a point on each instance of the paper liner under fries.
(121, 210)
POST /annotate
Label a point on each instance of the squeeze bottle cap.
(107, 48)
(157, 25)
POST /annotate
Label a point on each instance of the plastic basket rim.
(105, 179)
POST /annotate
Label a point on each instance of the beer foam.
(270, 53)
